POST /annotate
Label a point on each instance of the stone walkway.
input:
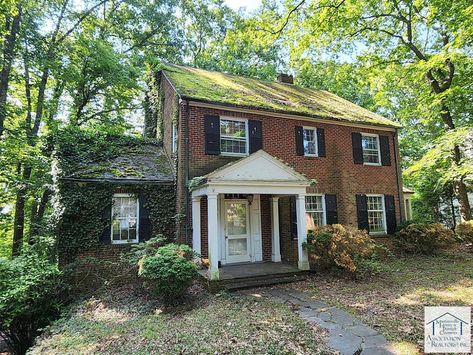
(346, 334)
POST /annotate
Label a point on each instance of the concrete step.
(258, 281)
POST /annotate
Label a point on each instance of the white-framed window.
(408, 209)
(315, 211)
(376, 214)
(233, 136)
(174, 137)
(125, 219)
(310, 141)
(370, 146)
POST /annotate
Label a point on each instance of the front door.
(237, 233)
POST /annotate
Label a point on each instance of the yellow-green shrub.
(465, 231)
(344, 247)
(424, 238)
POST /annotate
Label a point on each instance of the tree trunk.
(8, 56)
(19, 220)
(37, 214)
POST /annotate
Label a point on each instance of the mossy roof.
(215, 87)
(145, 162)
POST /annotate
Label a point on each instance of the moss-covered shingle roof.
(145, 162)
(215, 87)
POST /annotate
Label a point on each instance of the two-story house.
(258, 163)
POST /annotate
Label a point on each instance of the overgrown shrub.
(465, 231)
(424, 238)
(344, 247)
(31, 296)
(170, 271)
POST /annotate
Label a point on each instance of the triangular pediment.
(259, 166)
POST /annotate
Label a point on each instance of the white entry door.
(237, 233)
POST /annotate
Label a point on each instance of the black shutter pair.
(358, 149)
(299, 130)
(145, 229)
(212, 135)
(331, 209)
(362, 213)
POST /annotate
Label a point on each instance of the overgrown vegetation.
(344, 247)
(424, 238)
(169, 272)
(465, 231)
(31, 296)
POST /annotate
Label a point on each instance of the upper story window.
(315, 210)
(174, 137)
(310, 141)
(376, 214)
(233, 136)
(125, 219)
(370, 146)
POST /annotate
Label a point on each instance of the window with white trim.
(315, 211)
(310, 141)
(370, 146)
(125, 219)
(376, 213)
(233, 137)
(174, 137)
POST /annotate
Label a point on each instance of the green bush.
(424, 238)
(30, 298)
(344, 247)
(170, 271)
(465, 231)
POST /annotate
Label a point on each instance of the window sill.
(310, 156)
(372, 164)
(234, 155)
(124, 242)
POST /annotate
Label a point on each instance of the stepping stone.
(343, 318)
(374, 341)
(362, 330)
(345, 342)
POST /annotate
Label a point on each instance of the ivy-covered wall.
(83, 203)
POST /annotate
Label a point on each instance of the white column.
(303, 263)
(212, 220)
(276, 252)
(196, 236)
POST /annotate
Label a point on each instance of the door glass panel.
(237, 246)
(236, 218)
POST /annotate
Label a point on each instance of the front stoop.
(263, 280)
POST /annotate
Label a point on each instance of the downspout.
(398, 176)
(186, 172)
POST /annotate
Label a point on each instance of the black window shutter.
(321, 142)
(256, 135)
(331, 209)
(384, 148)
(299, 140)
(212, 134)
(106, 236)
(145, 229)
(362, 212)
(390, 213)
(357, 148)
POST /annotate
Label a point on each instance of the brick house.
(256, 160)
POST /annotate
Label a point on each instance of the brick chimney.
(285, 78)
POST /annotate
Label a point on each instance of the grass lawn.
(130, 321)
(394, 301)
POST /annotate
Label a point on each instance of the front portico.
(236, 198)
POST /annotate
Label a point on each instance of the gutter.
(398, 177)
(186, 172)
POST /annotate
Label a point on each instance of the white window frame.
(128, 241)
(324, 210)
(379, 148)
(247, 138)
(174, 137)
(315, 141)
(383, 205)
(408, 208)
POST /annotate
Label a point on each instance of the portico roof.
(259, 172)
